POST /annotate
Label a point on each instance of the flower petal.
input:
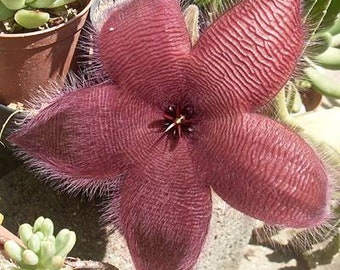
(84, 135)
(165, 210)
(265, 170)
(249, 53)
(140, 45)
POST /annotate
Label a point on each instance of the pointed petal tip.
(52, 136)
(315, 220)
(165, 211)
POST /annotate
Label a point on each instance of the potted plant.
(37, 42)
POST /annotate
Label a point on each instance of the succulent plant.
(325, 53)
(43, 249)
(33, 14)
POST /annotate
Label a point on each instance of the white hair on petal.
(108, 188)
(90, 65)
(303, 239)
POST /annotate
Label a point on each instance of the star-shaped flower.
(177, 121)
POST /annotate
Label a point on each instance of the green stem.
(292, 91)
(281, 106)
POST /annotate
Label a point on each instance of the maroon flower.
(178, 121)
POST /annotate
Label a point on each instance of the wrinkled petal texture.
(165, 210)
(141, 45)
(255, 164)
(68, 135)
(247, 56)
(89, 133)
(264, 170)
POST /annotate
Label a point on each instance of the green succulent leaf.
(335, 29)
(5, 13)
(34, 243)
(42, 250)
(47, 227)
(322, 42)
(319, 127)
(47, 251)
(57, 262)
(48, 3)
(59, 3)
(25, 232)
(336, 41)
(31, 19)
(41, 3)
(68, 243)
(37, 224)
(14, 4)
(329, 59)
(29, 257)
(323, 81)
(13, 250)
(40, 235)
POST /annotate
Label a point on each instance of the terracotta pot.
(29, 61)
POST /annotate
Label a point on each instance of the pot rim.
(39, 32)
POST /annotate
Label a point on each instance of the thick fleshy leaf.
(265, 170)
(245, 57)
(165, 209)
(141, 45)
(86, 135)
(319, 127)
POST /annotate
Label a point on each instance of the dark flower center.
(178, 120)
